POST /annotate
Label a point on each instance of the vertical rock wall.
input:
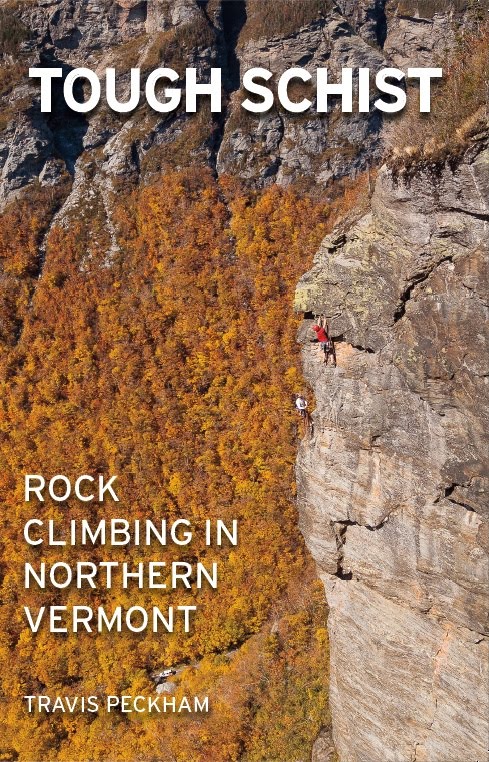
(393, 483)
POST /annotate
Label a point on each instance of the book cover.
(243, 368)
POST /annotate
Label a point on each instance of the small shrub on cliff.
(267, 18)
(12, 32)
(10, 76)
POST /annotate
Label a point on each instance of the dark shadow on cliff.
(233, 20)
(67, 126)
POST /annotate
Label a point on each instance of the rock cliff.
(103, 152)
(393, 483)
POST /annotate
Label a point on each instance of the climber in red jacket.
(326, 343)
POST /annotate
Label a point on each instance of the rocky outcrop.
(323, 749)
(393, 483)
(284, 146)
(275, 147)
(96, 34)
(423, 30)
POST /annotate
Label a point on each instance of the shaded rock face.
(393, 484)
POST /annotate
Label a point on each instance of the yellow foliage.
(175, 369)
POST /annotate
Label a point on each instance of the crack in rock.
(413, 282)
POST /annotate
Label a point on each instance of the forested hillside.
(174, 366)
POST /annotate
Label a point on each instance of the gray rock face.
(275, 147)
(96, 34)
(368, 18)
(25, 146)
(393, 483)
(422, 30)
(285, 147)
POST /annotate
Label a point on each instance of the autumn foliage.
(171, 362)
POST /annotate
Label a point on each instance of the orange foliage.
(172, 366)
